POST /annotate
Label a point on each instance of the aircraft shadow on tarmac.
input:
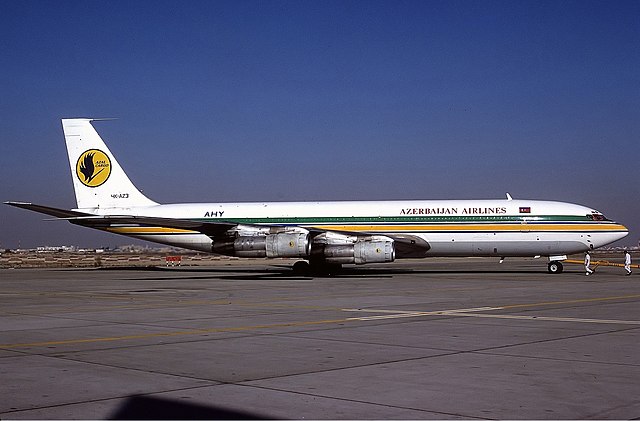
(285, 272)
(153, 408)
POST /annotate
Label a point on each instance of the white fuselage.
(450, 227)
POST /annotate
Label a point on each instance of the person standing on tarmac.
(627, 262)
(587, 263)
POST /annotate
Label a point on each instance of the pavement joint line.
(464, 310)
(403, 314)
(393, 316)
(471, 310)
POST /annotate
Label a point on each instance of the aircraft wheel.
(320, 268)
(555, 267)
(301, 268)
(328, 269)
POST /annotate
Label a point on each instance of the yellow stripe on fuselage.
(148, 230)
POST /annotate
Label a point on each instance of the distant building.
(51, 249)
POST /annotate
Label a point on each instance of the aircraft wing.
(103, 221)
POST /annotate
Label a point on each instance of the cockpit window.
(596, 217)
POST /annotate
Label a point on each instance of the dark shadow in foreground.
(153, 408)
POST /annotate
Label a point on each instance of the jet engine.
(270, 245)
(360, 252)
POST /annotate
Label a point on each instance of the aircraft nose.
(620, 232)
(613, 233)
(624, 232)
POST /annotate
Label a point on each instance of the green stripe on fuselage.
(405, 219)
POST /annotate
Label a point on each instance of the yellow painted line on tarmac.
(129, 303)
(377, 310)
(171, 334)
(145, 302)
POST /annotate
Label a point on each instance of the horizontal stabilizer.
(102, 221)
(47, 210)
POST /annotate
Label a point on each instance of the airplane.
(324, 235)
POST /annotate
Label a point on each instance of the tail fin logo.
(93, 168)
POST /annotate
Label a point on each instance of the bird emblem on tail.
(87, 168)
(93, 168)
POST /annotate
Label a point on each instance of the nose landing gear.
(555, 267)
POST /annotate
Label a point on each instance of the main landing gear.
(306, 268)
(301, 267)
(555, 267)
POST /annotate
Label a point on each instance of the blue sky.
(323, 100)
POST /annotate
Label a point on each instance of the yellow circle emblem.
(93, 168)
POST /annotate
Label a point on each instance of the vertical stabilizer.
(98, 180)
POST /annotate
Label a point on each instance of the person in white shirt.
(587, 262)
(627, 262)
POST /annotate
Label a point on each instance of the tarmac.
(418, 339)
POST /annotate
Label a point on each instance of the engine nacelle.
(288, 245)
(360, 252)
(271, 245)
